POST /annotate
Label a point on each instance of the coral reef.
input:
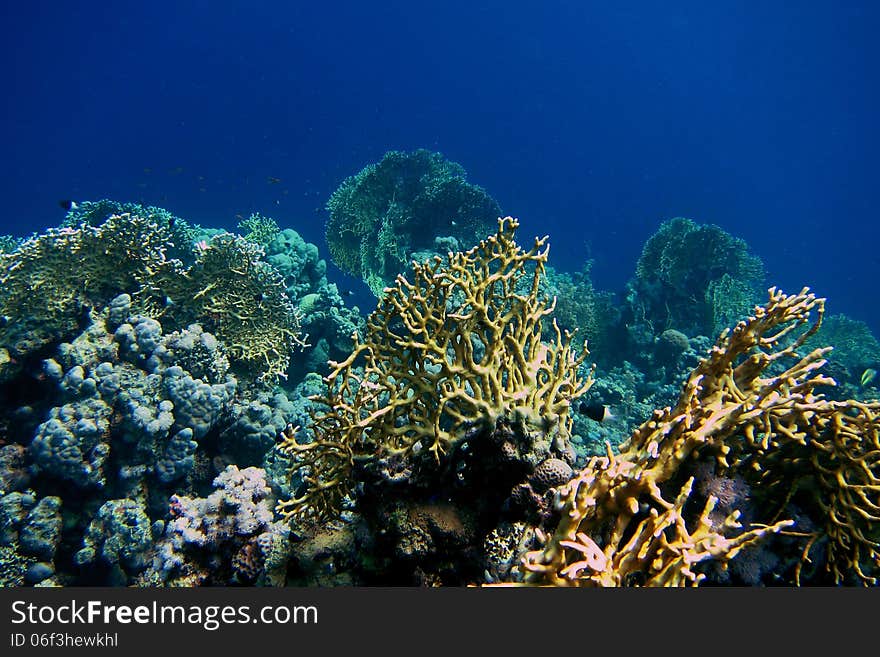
(423, 384)
(120, 536)
(236, 520)
(51, 281)
(324, 316)
(30, 530)
(242, 300)
(124, 392)
(183, 235)
(259, 229)
(164, 423)
(143, 380)
(855, 350)
(695, 278)
(380, 216)
(451, 395)
(8, 243)
(750, 409)
(580, 307)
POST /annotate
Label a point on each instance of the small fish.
(454, 223)
(596, 411)
(272, 180)
(172, 221)
(867, 376)
(259, 296)
(68, 205)
(4, 320)
(85, 313)
(349, 293)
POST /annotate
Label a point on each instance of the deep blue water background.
(590, 121)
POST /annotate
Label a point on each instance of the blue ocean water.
(592, 122)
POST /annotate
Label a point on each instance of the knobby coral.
(458, 347)
(752, 409)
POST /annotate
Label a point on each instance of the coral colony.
(184, 406)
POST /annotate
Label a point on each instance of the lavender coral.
(235, 520)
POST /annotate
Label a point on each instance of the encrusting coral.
(457, 350)
(751, 408)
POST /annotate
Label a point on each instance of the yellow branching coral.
(233, 293)
(458, 347)
(49, 280)
(751, 408)
(661, 550)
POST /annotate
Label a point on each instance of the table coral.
(695, 278)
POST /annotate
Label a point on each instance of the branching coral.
(50, 280)
(259, 229)
(8, 243)
(182, 233)
(751, 408)
(241, 299)
(579, 306)
(458, 347)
